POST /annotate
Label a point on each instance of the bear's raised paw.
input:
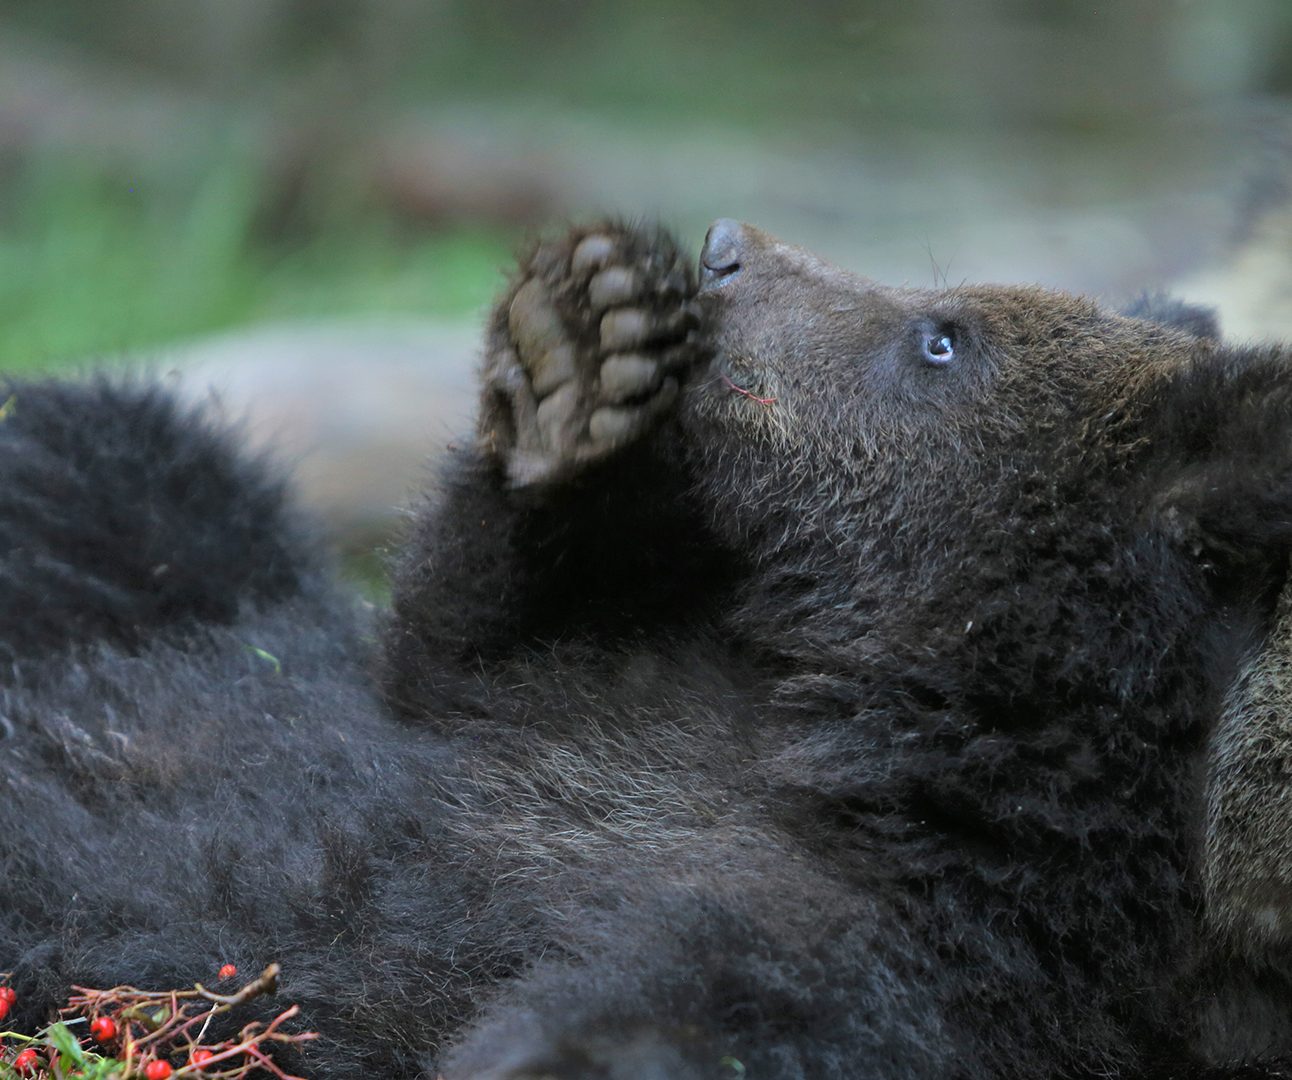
(586, 349)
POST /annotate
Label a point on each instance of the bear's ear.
(1219, 448)
(1193, 319)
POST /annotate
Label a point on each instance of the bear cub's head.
(915, 431)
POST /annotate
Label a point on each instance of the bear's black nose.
(723, 246)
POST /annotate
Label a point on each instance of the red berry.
(4, 1008)
(157, 1070)
(7, 995)
(104, 1029)
(228, 971)
(201, 1056)
(25, 1062)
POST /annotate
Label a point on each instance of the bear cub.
(794, 677)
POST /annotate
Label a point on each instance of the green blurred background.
(173, 167)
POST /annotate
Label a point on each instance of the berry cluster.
(149, 1035)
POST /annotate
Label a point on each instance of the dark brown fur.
(761, 693)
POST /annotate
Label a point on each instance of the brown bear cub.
(794, 678)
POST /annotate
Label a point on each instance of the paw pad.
(588, 356)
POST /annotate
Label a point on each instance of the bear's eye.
(939, 347)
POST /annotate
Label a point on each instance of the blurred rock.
(356, 409)
(1251, 287)
(1250, 282)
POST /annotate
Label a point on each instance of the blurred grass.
(92, 266)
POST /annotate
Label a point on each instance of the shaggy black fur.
(855, 731)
